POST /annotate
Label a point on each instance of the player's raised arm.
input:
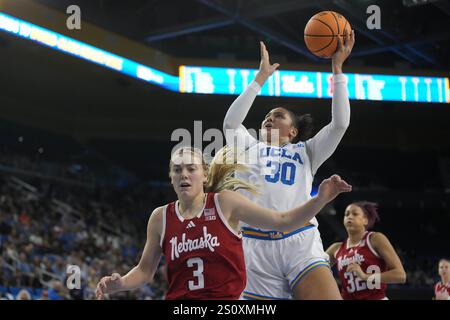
(144, 271)
(325, 142)
(240, 107)
(237, 207)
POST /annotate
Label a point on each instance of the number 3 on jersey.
(286, 171)
(198, 273)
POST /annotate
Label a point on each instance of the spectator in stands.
(23, 295)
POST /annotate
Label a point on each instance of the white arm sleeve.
(325, 142)
(232, 124)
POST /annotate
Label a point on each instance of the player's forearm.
(240, 107)
(135, 278)
(393, 276)
(299, 216)
(336, 67)
(390, 276)
(325, 142)
(340, 105)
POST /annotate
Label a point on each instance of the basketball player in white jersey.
(294, 264)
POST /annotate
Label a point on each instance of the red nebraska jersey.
(440, 287)
(353, 287)
(205, 259)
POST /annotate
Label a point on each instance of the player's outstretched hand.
(266, 69)
(343, 50)
(108, 285)
(265, 66)
(331, 187)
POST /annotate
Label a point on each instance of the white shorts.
(277, 262)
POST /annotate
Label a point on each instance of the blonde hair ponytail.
(220, 172)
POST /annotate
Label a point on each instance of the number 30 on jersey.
(284, 172)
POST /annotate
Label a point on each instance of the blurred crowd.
(421, 270)
(41, 235)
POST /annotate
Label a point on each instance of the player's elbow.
(402, 276)
(337, 128)
(399, 276)
(342, 126)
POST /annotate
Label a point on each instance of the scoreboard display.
(307, 84)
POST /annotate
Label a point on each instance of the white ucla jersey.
(282, 175)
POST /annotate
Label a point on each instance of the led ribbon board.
(87, 52)
(306, 84)
(208, 80)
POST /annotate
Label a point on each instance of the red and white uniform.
(204, 254)
(441, 288)
(353, 287)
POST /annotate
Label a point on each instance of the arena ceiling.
(415, 32)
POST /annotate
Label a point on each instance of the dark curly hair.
(304, 125)
(370, 210)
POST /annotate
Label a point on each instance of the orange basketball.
(322, 30)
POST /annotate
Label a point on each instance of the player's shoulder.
(337, 244)
(298, 145)
(156, 215)
(155, 222)
(226, 195)
(378, 241)
(228, 200)
(158, 211)
(333, 248)
(376, 237)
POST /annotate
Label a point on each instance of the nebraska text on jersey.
(345, 261)
(188, 245)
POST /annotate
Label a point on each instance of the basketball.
(321, 32)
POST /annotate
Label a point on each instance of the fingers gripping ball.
(322, 30)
